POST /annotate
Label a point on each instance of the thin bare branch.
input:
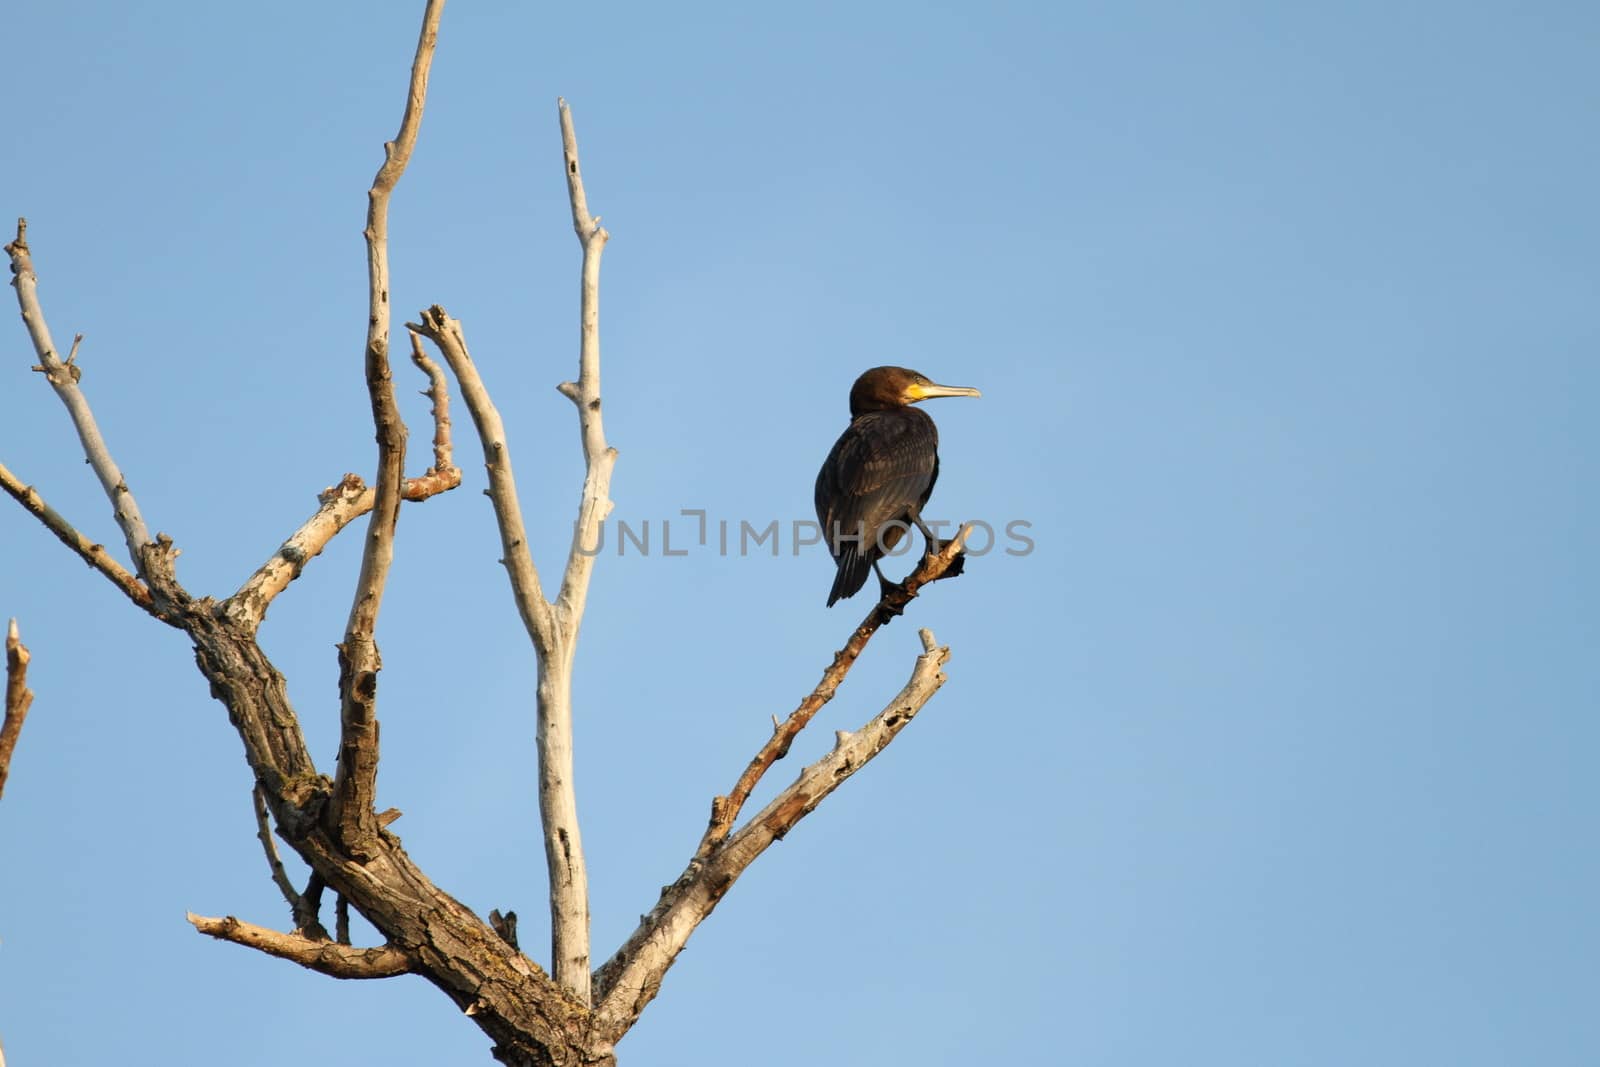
(338, 506)
(342, 504)
(445, 332)
(63, 377)
(18, 699)
(632, 977)
(355, 781)
(553, 627)
(444, 474)
(725, 809)
(94, 555)
(304, 914)
(558, 799)
(599, 458)
(316, 885)
(280, 877)
(325, 957)
(554, 642)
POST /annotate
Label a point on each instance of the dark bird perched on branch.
(880, 473)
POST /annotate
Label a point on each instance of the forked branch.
(552, 626)
(632, 977)
(725, 809)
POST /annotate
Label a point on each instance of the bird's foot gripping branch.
(944, 559)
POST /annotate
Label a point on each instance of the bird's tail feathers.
(852, 575)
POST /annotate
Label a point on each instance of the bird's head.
(882, 388)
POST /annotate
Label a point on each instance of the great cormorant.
(880, 473)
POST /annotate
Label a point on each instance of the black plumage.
(873, 485)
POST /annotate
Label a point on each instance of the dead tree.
(574, 1013)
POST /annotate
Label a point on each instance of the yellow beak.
(917, 392)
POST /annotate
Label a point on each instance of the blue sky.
(1276, 749)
